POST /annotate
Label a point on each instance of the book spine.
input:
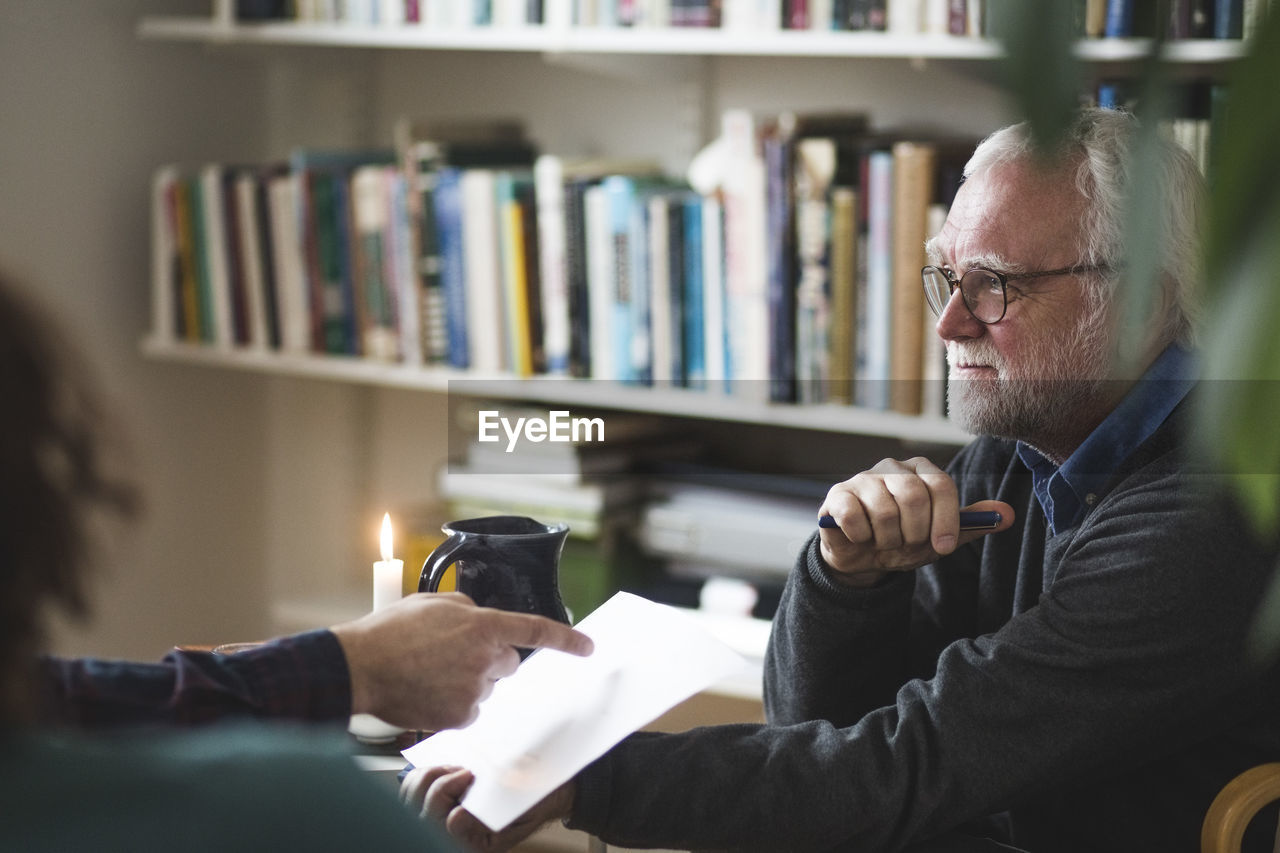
(747, 322)
(372, 258)
(815, 165)
(780, 246)
(640, 265)
(914, 167)
(619, 201)
(448, 215)
(1120, 15)
(235, 249)
(424, 160)
(1228, 19)
(252, 258)
(166, 264)
(873, 379)
(695, 321)
(214, 222)
(713, 298)
(660, 286)
(206, 299)
(485, 311)
(843, 294)
(527, 203)
(598, 252)
(549, 190)
(404, 284)
(577, 279)
(350, 308)
(515, 286)
(674, 262)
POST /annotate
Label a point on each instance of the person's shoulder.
(237, 787)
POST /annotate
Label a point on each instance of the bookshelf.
(674, 402)
(716, 55)
(550, 39)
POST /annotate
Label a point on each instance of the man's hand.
(427, 661)
(436, 792)
(896, 517)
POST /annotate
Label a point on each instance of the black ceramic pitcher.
(505, 561)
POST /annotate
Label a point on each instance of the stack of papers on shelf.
(558, 712)
(707, 531)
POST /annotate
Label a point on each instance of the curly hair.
(54, 487)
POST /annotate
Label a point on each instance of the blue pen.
(970, 520)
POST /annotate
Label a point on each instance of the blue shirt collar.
(1065, 492)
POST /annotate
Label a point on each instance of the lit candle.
(388, 574)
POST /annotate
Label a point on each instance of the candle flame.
(386, 536)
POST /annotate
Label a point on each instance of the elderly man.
(1074, 680)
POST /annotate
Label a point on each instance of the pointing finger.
(537, 632)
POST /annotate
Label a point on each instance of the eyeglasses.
(985, 293)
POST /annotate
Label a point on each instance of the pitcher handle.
(438, 562)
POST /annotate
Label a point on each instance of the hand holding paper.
(558, 712)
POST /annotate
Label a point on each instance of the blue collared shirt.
(1065, 492)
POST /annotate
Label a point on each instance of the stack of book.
(791, 274)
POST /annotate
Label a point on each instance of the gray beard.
(1030, 410)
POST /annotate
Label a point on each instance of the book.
(777, 143)
(715, 336)
(447, 203)
(600, 287)
(844, 312)
(549, 192)
(636, 257)
(876, 300)
(485, 311)
(215, 254)
(254, 259)
(289, 262)
(510, 197)
(421, 161)
(815, 167)
(373, 270)
(743, 199)
(1228, 19)
(914, 165)
(619, 200)
(166, 259)
(662, 335)
(235, 261)
(693, 340)
(402, 256)
(193, 209)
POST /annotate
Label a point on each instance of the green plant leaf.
(1041, 71)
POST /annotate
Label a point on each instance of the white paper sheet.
(559, 712)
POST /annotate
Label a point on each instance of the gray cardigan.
(1091, 688)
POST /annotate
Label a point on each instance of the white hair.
(1097, 145)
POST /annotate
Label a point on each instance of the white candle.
(388, 574)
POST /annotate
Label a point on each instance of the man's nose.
(956, 321)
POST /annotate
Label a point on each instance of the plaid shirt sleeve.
(301, 677)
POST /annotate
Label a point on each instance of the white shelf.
(667, 41)
(680, 402)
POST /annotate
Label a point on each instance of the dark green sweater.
(1090, 687)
